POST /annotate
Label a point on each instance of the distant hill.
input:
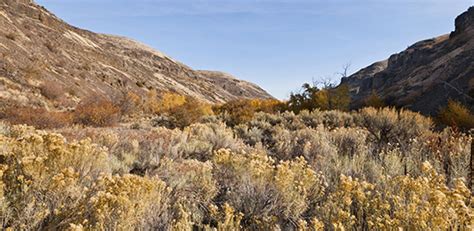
(43, 57)
(425, 75)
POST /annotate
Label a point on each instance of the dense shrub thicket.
(381, 169)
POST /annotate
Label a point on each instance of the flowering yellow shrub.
(377, 169)
(266, 193)
(192, 184)
(401, 202)
(48, 183)
(224, 219)
(122, 202)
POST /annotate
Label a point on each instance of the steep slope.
(424, 76)
(43, 57)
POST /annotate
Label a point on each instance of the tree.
(327, 98)
(345, 70)
(339, 98)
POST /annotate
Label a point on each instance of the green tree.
(339, 98)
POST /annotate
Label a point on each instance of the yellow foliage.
(289, 186)
(48, 183)
(313, 171)
(193, 186)
(163, 103)
(321, 100)
(403, 202)
(456, 114)
(339, 98)
(121, 202)
(242, 110)
(191, 111)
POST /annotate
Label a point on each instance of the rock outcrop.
(424, 76)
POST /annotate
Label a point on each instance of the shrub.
(339, 98)
(37, 117)
(242, 111)
(374, 100)
(97, 111)
(168, 122)
(334, 119)
(456, 114)
(309, 143)
(48, 183)
(204, 139)
(129, 103)
(162, 103)
(402, 202)
(309, 99)
(260, 190)
(12, 36)
(389, 126)
(126, 202)
(350, 141)
(312, 171)
(190, 112)
(44, 177)
(221, 219)
(51, 90)
(192, 183)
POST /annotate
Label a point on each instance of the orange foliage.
(97, 111)
(191, 111)
(243, 110)
(129, 103)
(162, 103)
(37, 117)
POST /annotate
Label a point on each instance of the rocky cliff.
(42, 57)
(424, 76)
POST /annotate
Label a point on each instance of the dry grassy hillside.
(46, 62)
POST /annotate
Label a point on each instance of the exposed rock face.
(426, 75)
(38, 49)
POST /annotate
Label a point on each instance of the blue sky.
(278, 44)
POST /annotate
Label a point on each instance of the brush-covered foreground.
(375, 169)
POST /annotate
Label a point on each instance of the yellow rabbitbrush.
(50, 184)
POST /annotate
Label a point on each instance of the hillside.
(44, 58)
(425, 75)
